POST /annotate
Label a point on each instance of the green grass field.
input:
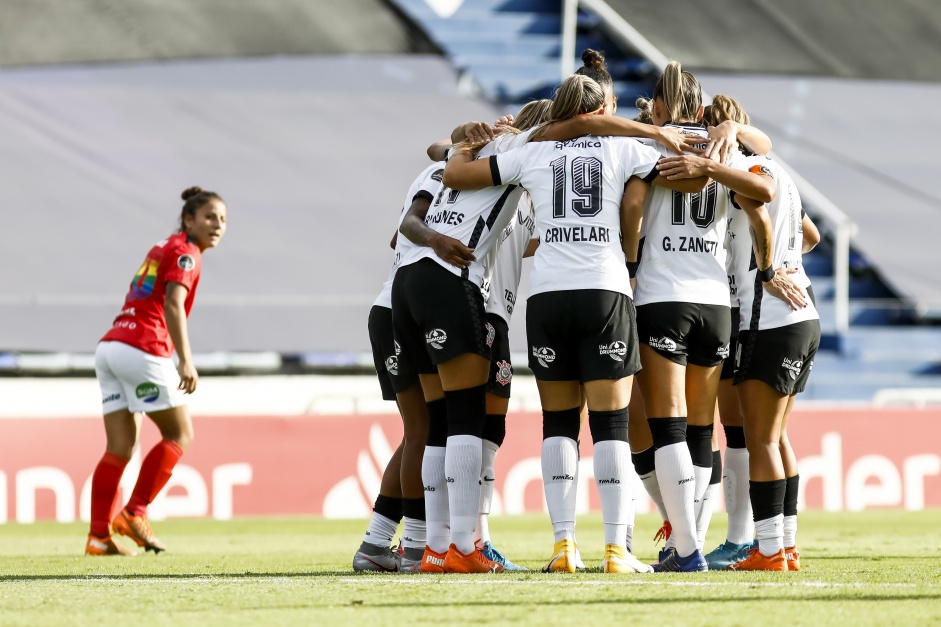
(871, 568)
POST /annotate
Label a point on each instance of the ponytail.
(680, 92)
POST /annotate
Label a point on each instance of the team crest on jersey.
(186, 262)
(723, 352)
(761, 169)
(615, 350)
(544, 355)
(491, 334)
(663, 343)
(793, 367)
(392, 365)
(504, 372)
(437, 338)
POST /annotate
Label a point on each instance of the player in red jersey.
(136, 374)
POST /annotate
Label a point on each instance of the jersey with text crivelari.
(476, 218)
(684, 243)
(425, 186)
(576, 187)
(760, 310)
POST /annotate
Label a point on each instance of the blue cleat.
(665, 552)
(495, 556)
(727, 553)
(692, 563)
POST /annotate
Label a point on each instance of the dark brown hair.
(195, 197)
(595, 68)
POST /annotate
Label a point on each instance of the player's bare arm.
(174, 313)
(632, 215)
(725, 137)
(447, 248)
(758, 187)
(463, 172)
(602, 125)
(811, 234)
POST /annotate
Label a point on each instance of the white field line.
(476, 581)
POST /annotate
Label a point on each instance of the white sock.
(706, 507)
(462, 468)
(677, 482)
(559, 471)
(613, 479)
(737, 500)
(380, 530)
(488, 453)
(770, 534)
(790, 531)
(703, 476)
(653, 489)
(437, 513)
(414, 533)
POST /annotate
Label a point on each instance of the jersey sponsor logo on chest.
(577, 234)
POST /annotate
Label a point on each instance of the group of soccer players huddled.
(666, 287)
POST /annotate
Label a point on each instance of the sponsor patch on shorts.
(504, 372)
(663, 343)
(544, 355)
(616, 350)
(147, 392)
(491, 334)
(437, 338)
(793, 367)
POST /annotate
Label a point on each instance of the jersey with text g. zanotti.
(476, 218)
(576, 187)
(141, 323)
(684, 237)
(760, 310)
(505, 282)
(425, 186)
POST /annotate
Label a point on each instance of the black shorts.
(686, 332)
(728, 364)
(436, 316)
(781, 357)
(582, 335)
(385, 353)
(501, 368)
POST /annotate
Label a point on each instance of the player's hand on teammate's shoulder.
(723, 139)
(452, 250)
(476, 132)
(678, 142)
(684, 167)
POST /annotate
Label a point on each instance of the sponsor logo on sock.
(793, 367)
(615, 350)
(450, 479)
(563, 478)
(663, 343)
(429, 488)
(687, 480)
(437, 338)
(486, 478)
(544, 355)
(611, 481)
(504, 372)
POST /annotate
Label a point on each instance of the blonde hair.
(724, 108)
(578, 94)
(680, 92)
(532, 114)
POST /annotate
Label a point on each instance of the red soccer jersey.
(141, 323)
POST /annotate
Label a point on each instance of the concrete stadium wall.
(318, 445)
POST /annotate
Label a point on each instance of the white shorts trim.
(134, 380)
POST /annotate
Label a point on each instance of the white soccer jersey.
(761, 310)
(576, 187)
(683, 259)
(475, 217)
(505, 282)
(425, 186)
(738, 238)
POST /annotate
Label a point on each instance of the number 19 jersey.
(576, 187)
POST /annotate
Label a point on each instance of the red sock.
(104, 491)
(154, 474)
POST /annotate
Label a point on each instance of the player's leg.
(434, 480)
(701, 388)
(415, 419)
(791, 487)
(642, 456)
(706, 508)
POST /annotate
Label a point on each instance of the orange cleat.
(473, 562)
(793, 557)
(105, 546)
(137, 529)
(432, 562)
(757, 561)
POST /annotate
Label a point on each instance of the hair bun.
(189, 192)
(593, 58)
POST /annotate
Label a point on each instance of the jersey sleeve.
(642, 158)
(431, 183)
(182, 264)
(507, 167)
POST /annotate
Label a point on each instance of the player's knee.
(561, 424)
